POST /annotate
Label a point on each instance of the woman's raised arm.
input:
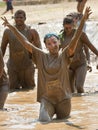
(74, 41)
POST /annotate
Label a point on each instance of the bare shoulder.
(7, 31)
(33, 30)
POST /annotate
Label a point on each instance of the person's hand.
(5, 21)
(89, 68)
(97, 67)
(87, 13)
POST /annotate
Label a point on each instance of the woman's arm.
(19, 36)
(87, 42)
(73, 44)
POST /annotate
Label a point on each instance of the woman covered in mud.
(53, 92)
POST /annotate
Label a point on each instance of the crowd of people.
(61, 70)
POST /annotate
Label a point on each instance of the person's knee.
(44, 115)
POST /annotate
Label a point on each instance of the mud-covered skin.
(78, 66)
(81, 5)
(4, 88)
(20, 66)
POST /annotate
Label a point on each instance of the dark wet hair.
(68, 20)
(20, 12)
(48, 35)
(75, 15)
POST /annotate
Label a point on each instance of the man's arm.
(35, 38)
(4, 42)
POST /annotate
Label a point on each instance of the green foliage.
(2, 4)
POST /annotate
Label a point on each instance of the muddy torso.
(19, 57)
(53, 79)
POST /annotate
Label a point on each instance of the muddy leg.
(3, 95)
(80, 78)
(46, 111)
(72, 80)
(63, 109)
(26, 78)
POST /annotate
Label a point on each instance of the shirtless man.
(20, 66)
(78, 66)
(4, 88)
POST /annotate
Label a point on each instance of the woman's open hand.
(87, 13)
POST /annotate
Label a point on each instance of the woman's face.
(52, 44)
(68, 28)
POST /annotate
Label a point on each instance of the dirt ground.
(48, 12)
(22, 108)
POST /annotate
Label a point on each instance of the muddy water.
(22, 113)
(23, 110)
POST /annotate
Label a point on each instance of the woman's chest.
(52, 64)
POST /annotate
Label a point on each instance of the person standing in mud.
(20, 66)
(81, 5)
(53, 91)
(79, 65)
(9, 6)
(4, 85)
